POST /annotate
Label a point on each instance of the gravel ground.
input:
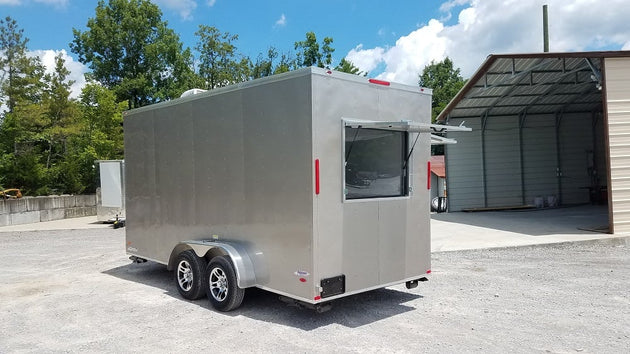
(76, 291)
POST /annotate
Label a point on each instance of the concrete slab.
(457, 231)
(462, 231)
(88, 222)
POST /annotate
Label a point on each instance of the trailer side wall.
(233, 163)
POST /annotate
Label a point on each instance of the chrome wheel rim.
(218, 284)
(185, 276)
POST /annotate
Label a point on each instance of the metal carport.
(548, 129)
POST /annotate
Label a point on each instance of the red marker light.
(429, 175)
(317, 298)
(303, 280)
(317, 176)
(429, 271)
(379, 82)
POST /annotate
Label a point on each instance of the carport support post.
(521, 124)
(545, 29)
(484, 121)
(558, 156)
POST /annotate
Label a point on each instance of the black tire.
(190, 275)
(221, 285)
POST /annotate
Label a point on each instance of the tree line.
(49, 141)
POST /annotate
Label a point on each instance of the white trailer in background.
(110, 203)
(312, 184)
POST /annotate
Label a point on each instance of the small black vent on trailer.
(333, 286)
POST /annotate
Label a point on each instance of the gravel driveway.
(76, 291)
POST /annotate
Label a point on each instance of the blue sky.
(391, 40)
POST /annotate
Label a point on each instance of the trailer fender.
(243, 265)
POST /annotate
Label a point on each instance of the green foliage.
(13, 49)
(219, 63)
(346, 66)
(266, 66)
(101, 123)
(21, 75)
(310, 54)
(286, 64)
(131, 50)
(445, 81)
(49, 141)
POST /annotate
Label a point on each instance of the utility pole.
(545, 30)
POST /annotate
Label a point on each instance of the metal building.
(548, 129)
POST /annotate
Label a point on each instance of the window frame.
(406, 184)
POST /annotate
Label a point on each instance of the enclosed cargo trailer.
(312, 184)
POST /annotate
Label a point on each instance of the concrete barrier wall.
(29, 210)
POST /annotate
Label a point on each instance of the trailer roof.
(285, 76)
(536, 83)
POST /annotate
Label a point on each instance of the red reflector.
(429, 175)
(317, 176)
(303, 280)
(379, 82)
(317, 298)
(429, 271)
(329, 72)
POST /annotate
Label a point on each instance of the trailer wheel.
(222, 289)
(190, 276)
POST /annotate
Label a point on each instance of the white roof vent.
(191, 92)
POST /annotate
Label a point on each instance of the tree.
(13, 49)
(131, 50)
(346, 66)
(445, 81)
(219, 63)
(61, 111)
(61, 124)
(266, 66)
(21, 75)
(100, 136)
(22, 124)
(286, 64)
(310, 54)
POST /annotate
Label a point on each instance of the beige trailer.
(312, 184)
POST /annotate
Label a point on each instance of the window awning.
(404, 125)
(440, 140)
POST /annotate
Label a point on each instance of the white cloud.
(183, 7)
(77, 70)
(211, 2)
(366, 59)
(10, 2)
(447, 6)
(282, 21)
(499, 26)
